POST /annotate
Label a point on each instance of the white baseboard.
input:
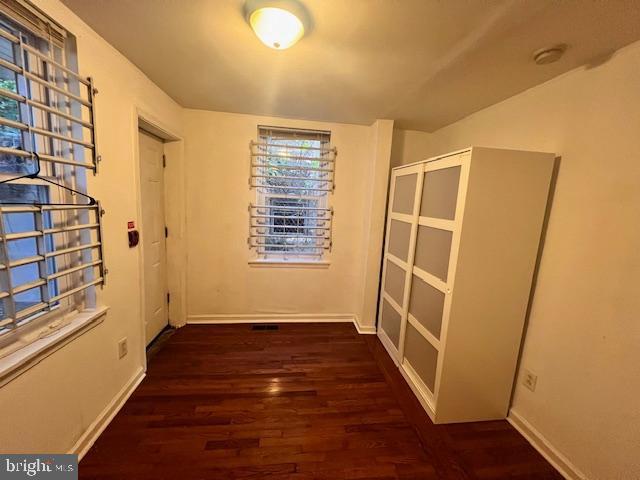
(225, 318)
(364, 329)
(89, 437)
(545, 448)
(214, 319)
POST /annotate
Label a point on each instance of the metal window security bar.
(51, 246)
(75, 252)
(293, 173)
(56, 104)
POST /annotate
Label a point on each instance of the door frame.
(173, 143)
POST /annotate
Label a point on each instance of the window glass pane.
(19, 222)
(25, 247)
(24, 258)
(6, 49)
(24, 274)
(28, 299)
(3, 310)
(307, 180)
(22, 193)
(291, 225)
(10, 109)
(292, 171)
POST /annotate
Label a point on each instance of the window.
(292, 172)
(50, 237)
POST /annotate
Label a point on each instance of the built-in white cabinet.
(462, 238)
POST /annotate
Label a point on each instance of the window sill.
(18, 362)
(288, 264)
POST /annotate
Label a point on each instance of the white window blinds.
(50, 231)
(292, 172)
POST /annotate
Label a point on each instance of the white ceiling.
(424, 63)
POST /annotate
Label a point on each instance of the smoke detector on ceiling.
(549, 54)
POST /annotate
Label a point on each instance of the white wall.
(583, 338)
(48, 408)
(377, 181)
(409, 146)
(219, 278)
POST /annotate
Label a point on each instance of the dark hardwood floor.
(308, 401)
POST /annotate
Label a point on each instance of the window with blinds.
(293, 173)
(50, 236)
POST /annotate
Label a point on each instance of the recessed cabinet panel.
(426, 304)
(394, 282)
(391, 322)
(404, 193)
(422, 356)
(433, 248)
(399, 235)
(440, 193)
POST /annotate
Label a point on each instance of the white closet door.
(402, 221)
(437, 235)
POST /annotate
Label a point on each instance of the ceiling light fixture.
(278, 24)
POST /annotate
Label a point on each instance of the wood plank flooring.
(307, 401)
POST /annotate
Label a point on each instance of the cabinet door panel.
(394, 282)
(422, 356)
(404, 193)
(399, 236)
(426, 304)
(440, 193)
(391, 323)
(433, 249)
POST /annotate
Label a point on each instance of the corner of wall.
(410, 146)
(545, 448)
(382, 135)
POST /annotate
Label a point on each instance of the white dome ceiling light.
(279, 24)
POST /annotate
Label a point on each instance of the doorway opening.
(153, 233)
(160, 222)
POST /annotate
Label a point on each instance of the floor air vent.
(264, 327)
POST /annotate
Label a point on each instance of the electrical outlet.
(123, 348)
(529, 380)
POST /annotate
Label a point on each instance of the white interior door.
(153, 235)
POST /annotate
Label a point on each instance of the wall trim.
(91, 434)
(223, 318)
(364, 329)
(20, 361)
(561, 463)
